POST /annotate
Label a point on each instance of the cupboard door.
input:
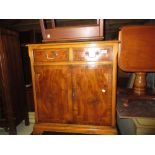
(92, 94)
(53, 94)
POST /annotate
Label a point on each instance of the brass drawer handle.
(54, 54)
(92, 54)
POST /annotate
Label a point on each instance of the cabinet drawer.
(93, 54)
(52, 55)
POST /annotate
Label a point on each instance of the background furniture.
(12, 91)
(92, 30)
(28, 37)
(136, 54)
(74, 86)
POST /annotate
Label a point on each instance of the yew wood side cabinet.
(74, 86)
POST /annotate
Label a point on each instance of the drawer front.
(93, 54)
(51, 55)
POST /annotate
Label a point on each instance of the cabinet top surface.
(93, 43)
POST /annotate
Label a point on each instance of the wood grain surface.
(93, 54)
(92, 94)
(51, 55)
(71, 93)
(53, 85)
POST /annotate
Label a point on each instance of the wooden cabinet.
(74, 86)
(13, 107)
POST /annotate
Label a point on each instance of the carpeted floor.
(21, 129)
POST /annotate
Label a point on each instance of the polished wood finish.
(53, 85)
(54, 55)
(92, 94)
(12, 81)
(86, 32)
(140, 83)
(96, 54)
(111, 25)
(137, 53)
(72, 128)
(137, 49)
(75, 96)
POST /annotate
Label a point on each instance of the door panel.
(53, 93)
(92, 94)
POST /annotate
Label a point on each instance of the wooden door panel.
(92, 91)
(53, 93)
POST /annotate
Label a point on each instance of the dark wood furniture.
(28, 37)
(74, 86)
(90, 31)
(136, 54)
(29, 98)
(12, 91)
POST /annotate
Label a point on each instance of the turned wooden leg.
(140, 83)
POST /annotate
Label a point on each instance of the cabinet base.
(39, 128)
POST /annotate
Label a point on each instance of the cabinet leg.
(38, 132)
